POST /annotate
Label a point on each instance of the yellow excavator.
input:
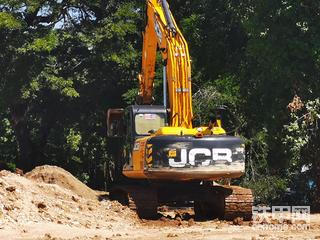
(157, 156)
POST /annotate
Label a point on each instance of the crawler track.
(224, 202)
(238, 203)
(143, 200)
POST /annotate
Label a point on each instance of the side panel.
(138, 154)
(138, 159)
(188, 158)
(191, 152)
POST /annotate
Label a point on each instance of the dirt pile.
(52, 195)
(61, 177)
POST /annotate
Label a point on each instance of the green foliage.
(302, 137)
(7, 133)
(73, 140)
(44, 44)
(268, 190)
(130, 96)
(8, 150)
(84, 177)
(205, 98)
(8, 21)
(228, 86)
(61, 70)
(303, 126)
(256, 156)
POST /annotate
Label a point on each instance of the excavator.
(157, 156)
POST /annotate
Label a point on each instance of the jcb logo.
(216, 154)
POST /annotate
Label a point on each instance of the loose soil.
(49, 203)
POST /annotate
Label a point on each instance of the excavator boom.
(162, 33)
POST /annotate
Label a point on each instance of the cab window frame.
(161, 115)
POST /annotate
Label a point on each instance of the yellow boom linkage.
(163, 33)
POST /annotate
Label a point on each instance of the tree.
(62, 68)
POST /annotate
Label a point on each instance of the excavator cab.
(135, 121)
(125, 127)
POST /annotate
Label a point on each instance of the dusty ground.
(49, 203)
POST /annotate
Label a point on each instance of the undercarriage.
(210, 201)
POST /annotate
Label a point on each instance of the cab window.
(144, 122)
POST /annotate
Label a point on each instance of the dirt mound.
(25, 202)
(61, 177)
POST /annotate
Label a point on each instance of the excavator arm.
(162, 33)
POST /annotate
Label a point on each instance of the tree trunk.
(25, 160)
